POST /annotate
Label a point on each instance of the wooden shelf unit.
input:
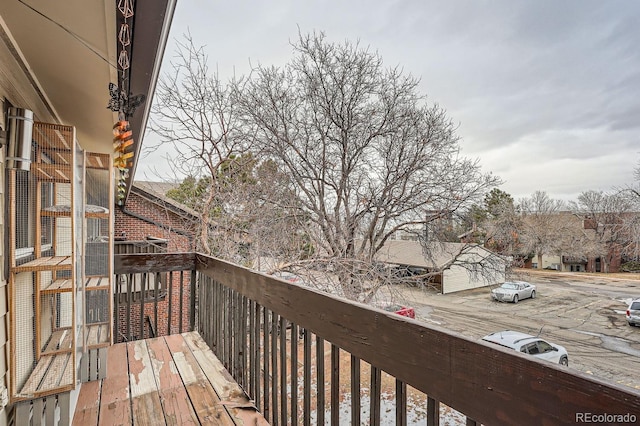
(58, 286)
(60, 341)
(47, 223)
(91, 215)
(98, 255)
(97, 283)
(52, 172)
(49, 277)
(48, 263)
(98, 336)
(52, 374)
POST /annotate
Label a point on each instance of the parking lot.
(585, 314)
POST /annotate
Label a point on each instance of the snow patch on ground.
(416, 412)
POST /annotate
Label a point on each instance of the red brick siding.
(136, 229)
(131, 331)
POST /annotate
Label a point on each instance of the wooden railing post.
(374, 395)
(143, 290)
(170, 298)
(192, 299)
(355, 390)
(294, 373)
(401, 403)
(306, 410)
(335, 385)
(320, 380)
(433, 412)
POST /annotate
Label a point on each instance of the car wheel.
(515, 298)
(533, 294)
(564, 361)
(630, 324)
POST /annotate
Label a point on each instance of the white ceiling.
(72, 59)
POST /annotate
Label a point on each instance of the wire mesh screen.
(24, 193)
(97, 247)
(24, 327)
(97, 257)
(78, 194)
(41, 270)
(24, 220)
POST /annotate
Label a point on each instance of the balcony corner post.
(192, 300)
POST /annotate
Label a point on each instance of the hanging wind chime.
(122, 102)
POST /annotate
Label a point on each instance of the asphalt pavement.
(584, 313)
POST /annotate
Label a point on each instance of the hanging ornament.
(124, 37)
(123, 60)
(123, 150)
(126, 8)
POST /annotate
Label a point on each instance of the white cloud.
(545, 92)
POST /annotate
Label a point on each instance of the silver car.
(633, 312)
(531, 345)
(514, 291)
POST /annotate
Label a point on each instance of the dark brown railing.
(302, 355)
(153, 295)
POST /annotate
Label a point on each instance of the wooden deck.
(171, 380)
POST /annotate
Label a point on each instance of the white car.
(633, 312)
(514, 291)
(531, 345)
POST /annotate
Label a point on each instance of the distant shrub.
(632, 266)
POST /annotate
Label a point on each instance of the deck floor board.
(205, 401)
(115, 405)
(175, 401)
(170, 380)
(145, 398)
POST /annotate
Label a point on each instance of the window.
(544, 347)
(25, 217)
(532, 348)
(26, 192)
(46, 222)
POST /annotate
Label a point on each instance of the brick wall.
(173, 227)
(159, 222)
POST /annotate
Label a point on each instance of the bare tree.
(366, 155)
(502, 227)
(542, 225)
(196, 114)
(636, 174)
(611, 217)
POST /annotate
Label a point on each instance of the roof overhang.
(70, 49)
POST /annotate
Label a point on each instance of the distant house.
(459, 266)
(615, 243)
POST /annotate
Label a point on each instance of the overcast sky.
(546, 93)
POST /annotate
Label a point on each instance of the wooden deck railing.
(153, 295)
(349, 362)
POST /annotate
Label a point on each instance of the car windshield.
(544, 346)
(509, 286)
(635, 306)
